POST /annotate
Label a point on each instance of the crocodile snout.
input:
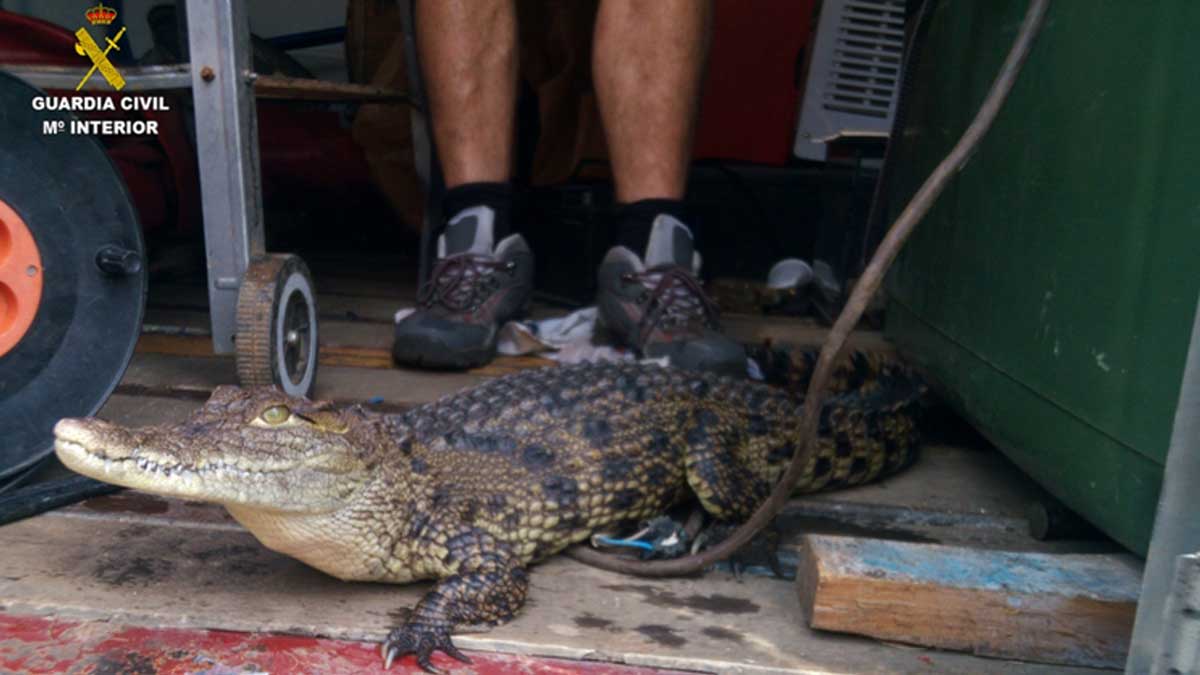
(97, 437)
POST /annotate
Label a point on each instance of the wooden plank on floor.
(1064, 609)
(165, 323)
(167, 297)
(334, 355)
(952, 479)
(211, 576)
(367, 321)
(799, 333)
(141, 411)
(196, 377)
(36, 645)
(132, 506)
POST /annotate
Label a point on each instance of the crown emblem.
(101, 15)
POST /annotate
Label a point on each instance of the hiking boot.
(473, 290)
(656, 305)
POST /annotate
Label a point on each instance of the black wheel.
(277, 325)
(72, 282)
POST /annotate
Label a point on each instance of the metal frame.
(227, 150)
(1179, 645)
(1171, 581)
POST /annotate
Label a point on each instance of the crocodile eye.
(276, 414)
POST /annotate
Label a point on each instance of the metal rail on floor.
(1166, 637)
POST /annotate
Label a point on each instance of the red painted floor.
(37, 645)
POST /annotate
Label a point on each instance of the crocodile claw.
(421, 640)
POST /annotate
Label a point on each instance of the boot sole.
(427, 353)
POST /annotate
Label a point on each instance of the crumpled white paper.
(573, 338)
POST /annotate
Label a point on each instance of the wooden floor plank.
(198, 576)
(140, 411)
(37, 646)
(174, 376)
(1075, 610)
(953, 479)
(332, 355)
(375, 293)
(337, 326)
(329, 306)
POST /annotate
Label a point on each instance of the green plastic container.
(1051, 291)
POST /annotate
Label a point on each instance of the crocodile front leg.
(488, 588)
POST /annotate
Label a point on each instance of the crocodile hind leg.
(730, 487)
(488, 588)
(730, 492)
(727, 487)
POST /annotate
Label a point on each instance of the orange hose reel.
(20, 278)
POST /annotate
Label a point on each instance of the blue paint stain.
(995, 570)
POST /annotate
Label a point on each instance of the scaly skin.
(474, 487)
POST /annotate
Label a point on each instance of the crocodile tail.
(859, 370)
(869, 423)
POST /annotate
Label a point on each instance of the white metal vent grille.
(854, 74)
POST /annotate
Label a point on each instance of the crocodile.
(473, 488)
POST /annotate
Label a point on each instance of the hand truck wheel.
(276, 339)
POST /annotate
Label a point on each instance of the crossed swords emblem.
(88, 47)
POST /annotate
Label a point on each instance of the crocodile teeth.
(147, 464)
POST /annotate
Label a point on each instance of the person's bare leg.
(468, 53)
(648, 62)
(469, 60)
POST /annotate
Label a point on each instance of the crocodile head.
(250, 449)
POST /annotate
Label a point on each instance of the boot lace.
(462, 282)
(673, 299)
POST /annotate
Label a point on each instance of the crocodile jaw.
(131, 458)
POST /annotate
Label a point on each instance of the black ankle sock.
(496, 196)
(635, 220)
